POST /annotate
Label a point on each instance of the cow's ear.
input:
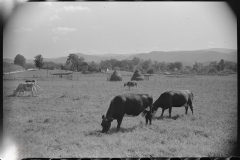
(103, 117)
(110, 120)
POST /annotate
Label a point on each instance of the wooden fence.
(74, 77)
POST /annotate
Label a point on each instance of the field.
(64, 120)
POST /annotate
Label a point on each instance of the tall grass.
(64, 120)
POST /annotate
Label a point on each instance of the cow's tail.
(191, 94)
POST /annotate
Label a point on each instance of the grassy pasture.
(64, 120)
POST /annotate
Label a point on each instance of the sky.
(56, 29)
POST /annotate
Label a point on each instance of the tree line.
(76, 63)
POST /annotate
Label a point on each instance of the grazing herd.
(131, 104)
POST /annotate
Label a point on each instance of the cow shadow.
(95, 133)
(11, 95)
(167, 117)
(121, 130)
(98, 133)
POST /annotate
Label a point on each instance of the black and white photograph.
(119, 79)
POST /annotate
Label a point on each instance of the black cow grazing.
(127, 105)
(130, 84)
(175, 98)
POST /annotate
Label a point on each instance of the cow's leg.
(170, 111)
(35, 91)
(119, 120)
(162, 111)
(150, 117)
(191, 107)
(32, 92)
(146, 117)
(170, 105)
(186, 108)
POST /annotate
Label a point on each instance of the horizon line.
(130, 53)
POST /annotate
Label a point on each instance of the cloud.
(74, 9)
(56, 39)
(63, 30)
(55, 17)
(210, 44)
(94, 27)
(23, 30)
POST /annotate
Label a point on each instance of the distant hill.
(11, 67)
(189, 57)
(186, 57)
(8, 60)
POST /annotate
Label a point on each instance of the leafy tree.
(38, 61)
(146, 64)
(79, 63)
(20, 60)
(178, 65)
(62, 67)
(212, 70)
(197, 67)
(105, 64)
(67, 66)
(72, 60)
(163, 66)
(126, 65)
(116, 68)
(150, 71)
(188, 68)
(171, 66)
(93, 67)
(221, 65)
(231, 66)
(155, 66)
(138, 67)
(136, 61)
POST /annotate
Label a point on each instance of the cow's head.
(106, 124)
(125, 84)
(154, 110)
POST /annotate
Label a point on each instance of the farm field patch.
(65, 119)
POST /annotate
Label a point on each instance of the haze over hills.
(186, 57)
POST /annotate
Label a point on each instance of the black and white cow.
(130, 84)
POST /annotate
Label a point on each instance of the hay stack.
(137, 76)
(116, 76)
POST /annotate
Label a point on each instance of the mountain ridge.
(186, 57)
